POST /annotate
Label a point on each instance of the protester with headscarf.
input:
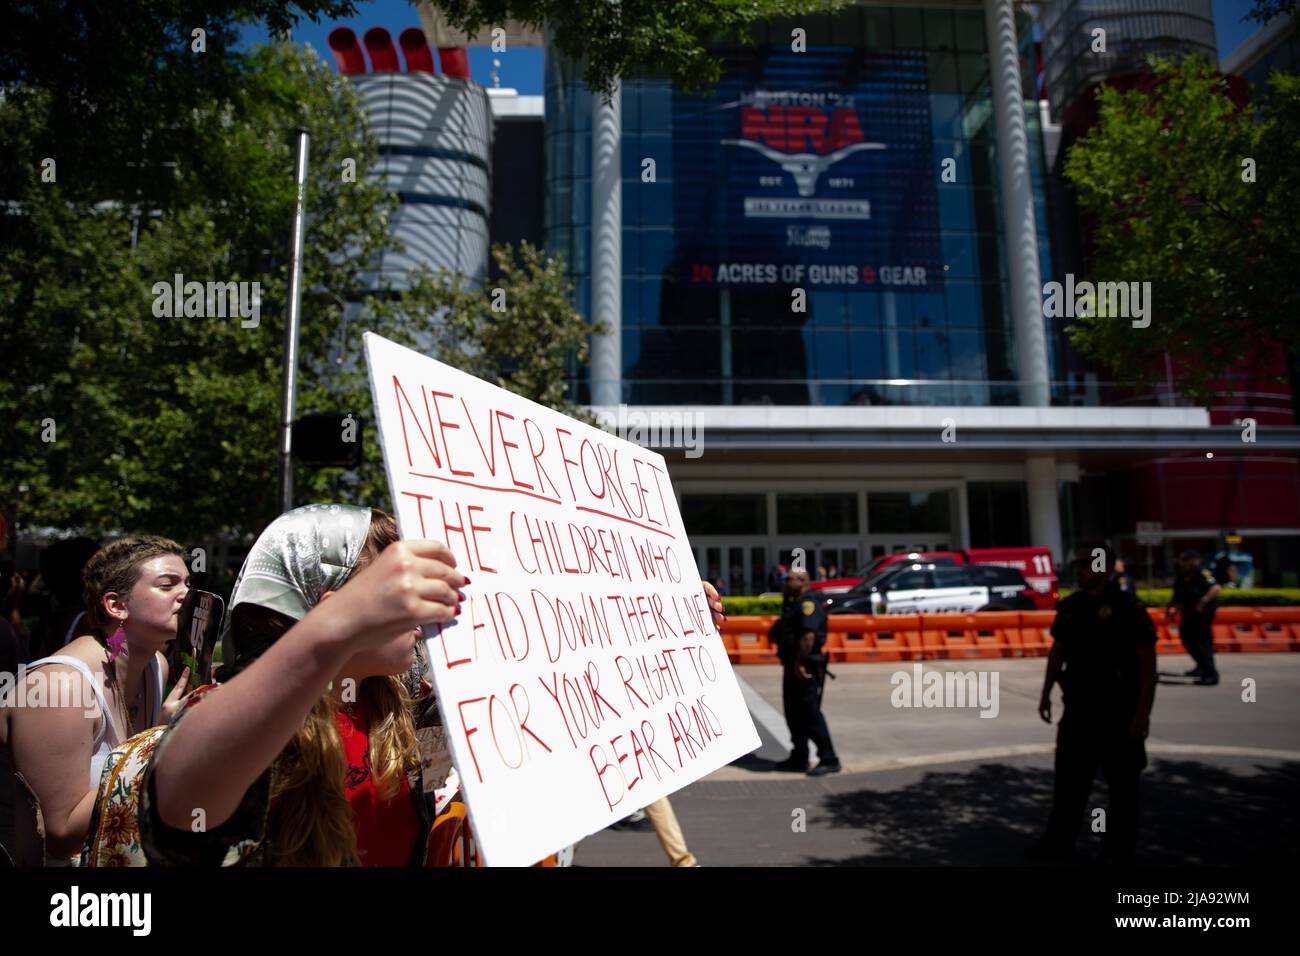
(305, 753)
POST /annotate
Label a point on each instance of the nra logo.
(804, 141)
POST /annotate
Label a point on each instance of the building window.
(817, 514)
(724, 514)
(908, 512)
(999, 514)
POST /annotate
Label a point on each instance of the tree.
(1183, 189)
(522, 334)
(121, 78)
(164, 422)
(168, 159)
(616, 39)
(171, 424)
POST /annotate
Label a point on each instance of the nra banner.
(811, 169)
(584, 678)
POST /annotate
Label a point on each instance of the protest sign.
(584, 677)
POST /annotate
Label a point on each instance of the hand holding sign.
(585, 677)
(409, 584)
(715, 604)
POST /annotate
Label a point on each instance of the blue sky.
(1229, 28)
(521, 67)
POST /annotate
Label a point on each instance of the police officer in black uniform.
(1193, 604)
(1104, 657)
(800, 636)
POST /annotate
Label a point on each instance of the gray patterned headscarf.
(301, 555)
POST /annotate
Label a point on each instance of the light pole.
(294, 310)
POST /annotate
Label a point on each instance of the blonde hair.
(309, 822)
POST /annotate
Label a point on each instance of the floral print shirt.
(126, 830)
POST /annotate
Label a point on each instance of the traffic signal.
(327, 439)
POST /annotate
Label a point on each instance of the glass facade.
(1283, 56)
(814, 513)
(1088, 41)
(906, 512)
(999, 513)
(837, 531)
(822, 228)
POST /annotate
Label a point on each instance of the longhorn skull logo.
(804, 167)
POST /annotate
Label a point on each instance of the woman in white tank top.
(74, 707)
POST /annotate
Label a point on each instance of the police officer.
(1193, 604)
(799, 636)
(1104, 657)
(1123, 578)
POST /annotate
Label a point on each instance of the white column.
(963, 519)
(890, 326)
(1021, 239)
(724, 329)
(607, 248)
(1044, 504)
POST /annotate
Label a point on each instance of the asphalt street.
(934, 786)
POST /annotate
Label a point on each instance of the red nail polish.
(457, 610)
(467, 580)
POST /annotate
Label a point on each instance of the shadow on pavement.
(1192, 813)
(754, 763)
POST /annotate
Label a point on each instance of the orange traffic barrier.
(750, 634)
(984, 635)
(1036, 632)
(877, 637)
(862, 638)
(997, 633)
(1285, 620)
(948, 636)
(855, 643)
(1167, 641)
(897, 637)
(1234, 628)
(1249, 630)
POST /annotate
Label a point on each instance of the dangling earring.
(117, 644)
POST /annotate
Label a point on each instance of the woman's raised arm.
(229, 739)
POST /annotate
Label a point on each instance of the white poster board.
(584, 677)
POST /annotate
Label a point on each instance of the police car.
(932, 588)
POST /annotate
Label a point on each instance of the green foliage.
(1231, 597)
(520, 332)
(751, 605)
(170, 424)
(1161, 181)
(172, 160)
(121, 78)
(617, 39)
